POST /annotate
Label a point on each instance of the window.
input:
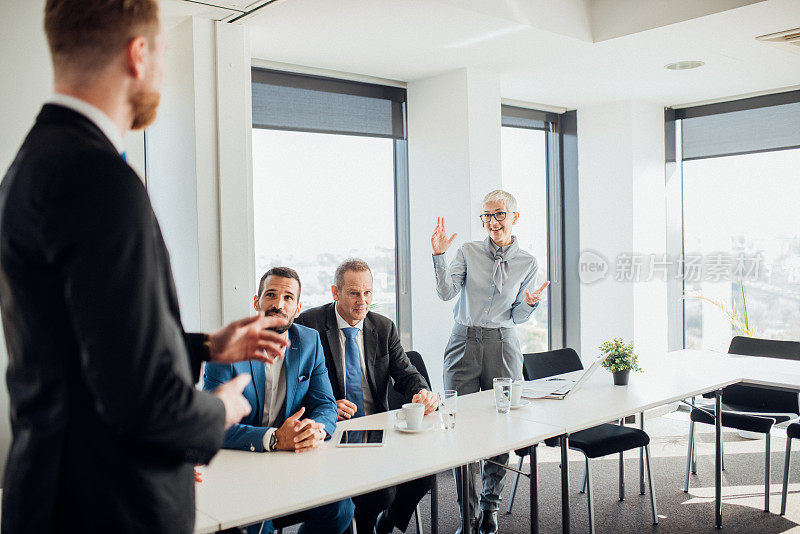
(335, 151)
(529, 153)
(741, 211)
(736, 163)
(525, 177)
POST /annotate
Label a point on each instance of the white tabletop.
(241, 487)
(666, 378)
(203, 524)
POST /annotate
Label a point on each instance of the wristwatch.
(273, 442)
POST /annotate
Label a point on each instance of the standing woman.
(491, 279)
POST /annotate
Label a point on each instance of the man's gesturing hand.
(346, 409)
(230, 393)
(299, 436)
(430, 400)
(439, 240)
(248, 339)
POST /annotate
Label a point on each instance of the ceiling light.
(684, 65)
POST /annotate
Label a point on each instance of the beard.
(277, 313)
(145, 106)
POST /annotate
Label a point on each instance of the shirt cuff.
(267, 437)
(438, 260)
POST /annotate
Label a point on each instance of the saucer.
(522, 403)
(401, 426)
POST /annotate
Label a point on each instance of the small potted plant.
(619, 360)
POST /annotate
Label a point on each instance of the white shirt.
(274, 396)
(274, 391)
(369, 405)
(94, 114)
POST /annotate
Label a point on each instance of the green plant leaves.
(619, 356)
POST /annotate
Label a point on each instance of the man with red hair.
(106, 421)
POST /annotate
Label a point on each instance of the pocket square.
(302, 378)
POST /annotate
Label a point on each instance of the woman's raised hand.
(439, 240)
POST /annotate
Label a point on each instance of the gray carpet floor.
(679, 512)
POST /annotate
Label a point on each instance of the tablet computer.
(361, 438)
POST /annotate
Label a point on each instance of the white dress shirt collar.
(341, 323)
(94, 114)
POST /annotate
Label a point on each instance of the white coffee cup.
(412, 413)
(516, 392)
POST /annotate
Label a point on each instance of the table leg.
(534, 491)
(466, 516)
(641, 456)
(718, 459)
(435, 505)
(564, 485)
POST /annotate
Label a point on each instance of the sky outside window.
(319, 199)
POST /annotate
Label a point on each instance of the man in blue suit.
(282, 393)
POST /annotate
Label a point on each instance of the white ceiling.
(567, 53)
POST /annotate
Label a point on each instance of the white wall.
(622, 212)
(454, 160)
(235, 171)
(27, 75)
(649, 224)
(183, 177)
(171, 168)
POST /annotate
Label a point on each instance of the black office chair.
(750, 408)
(594, 442)
(396, 400)
(541, 365)
(793, 432)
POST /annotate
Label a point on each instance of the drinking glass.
(502, 394)
(448, 403)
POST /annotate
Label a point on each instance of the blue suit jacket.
(307, 384)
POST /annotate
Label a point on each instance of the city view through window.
(319, 199)
(743, 206)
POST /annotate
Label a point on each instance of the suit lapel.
(291, 366)
(258, 375)
(370, 353)
(334, 343)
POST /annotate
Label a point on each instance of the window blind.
(299, 102)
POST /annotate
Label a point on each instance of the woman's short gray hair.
(502, 196)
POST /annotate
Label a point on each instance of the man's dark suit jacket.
(383, 355)
(105, 419)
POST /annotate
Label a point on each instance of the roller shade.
(530, 119)
(710, 131)
(297, 102)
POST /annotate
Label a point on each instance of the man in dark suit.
(106, 421)
(362, 351)
(282, 393)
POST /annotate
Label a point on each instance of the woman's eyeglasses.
(499, 216)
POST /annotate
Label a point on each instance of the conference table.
(241, 488)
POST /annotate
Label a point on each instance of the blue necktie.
(124, 156)
(352, 371)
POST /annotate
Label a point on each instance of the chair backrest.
(553, 362)
(759, 397)
(395, 398)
